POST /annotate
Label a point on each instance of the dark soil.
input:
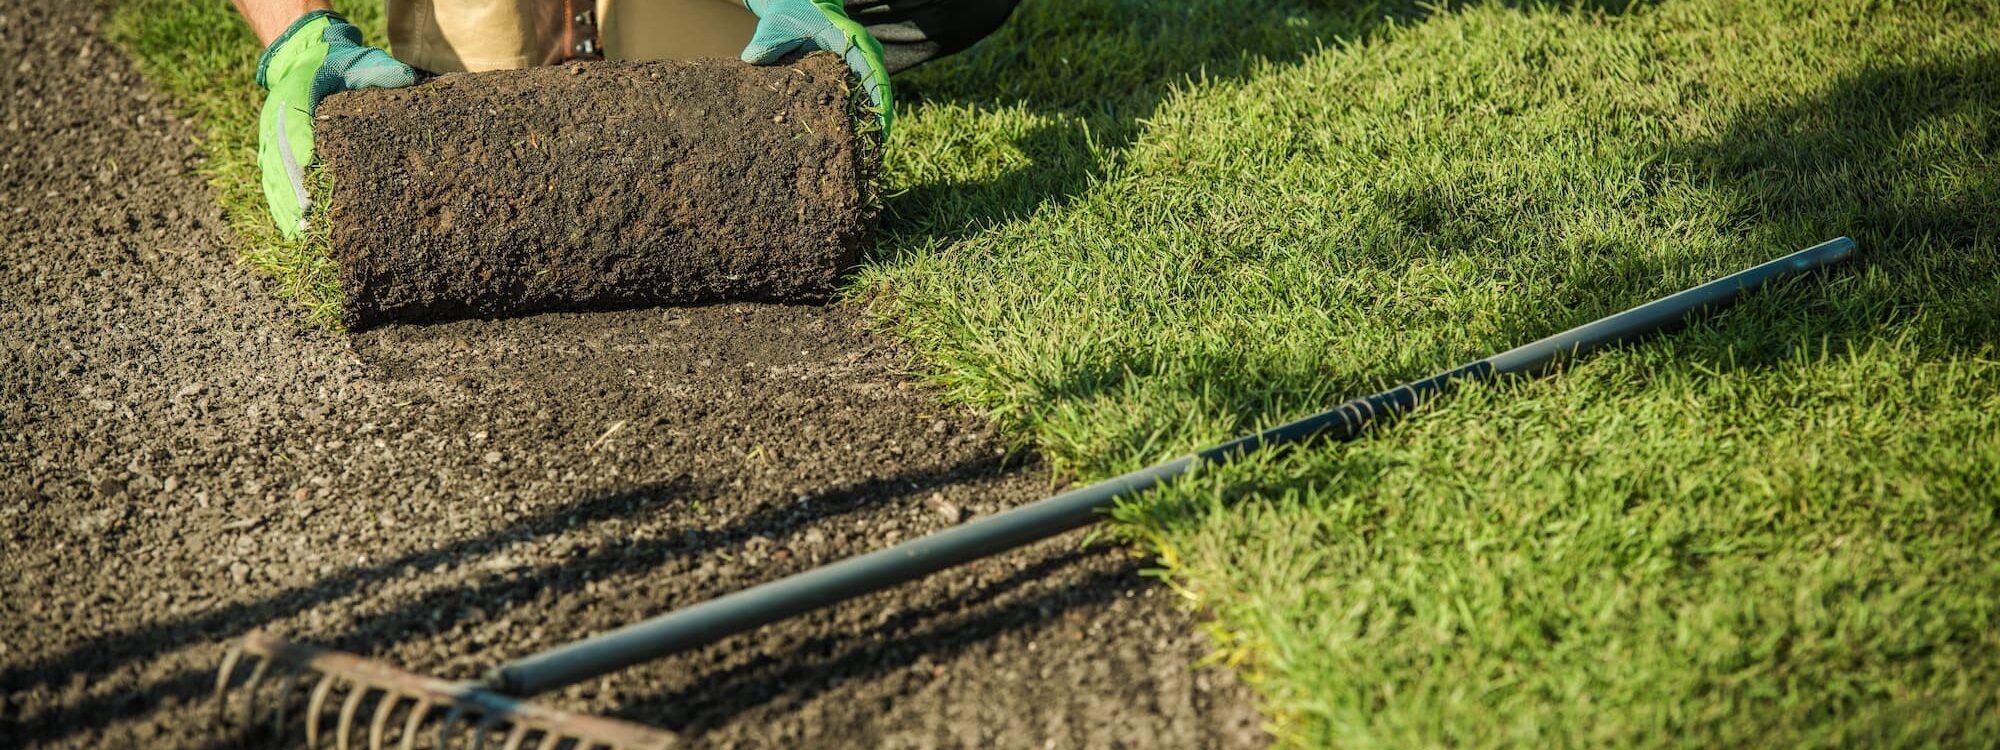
(596, 186)
(181, 462)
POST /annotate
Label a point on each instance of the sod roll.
(595, 186)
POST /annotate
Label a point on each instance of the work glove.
(319, 56)
(788, 26)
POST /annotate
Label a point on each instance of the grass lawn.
(1131, 228)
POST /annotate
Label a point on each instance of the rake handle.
(727, 615)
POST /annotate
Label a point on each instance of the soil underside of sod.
(182, 461)
(593, 186)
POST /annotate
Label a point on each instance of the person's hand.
(788, 26)
(320, 55)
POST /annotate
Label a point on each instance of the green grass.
(201, 53)
(1129, 228)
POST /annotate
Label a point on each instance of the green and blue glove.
(788, 26)
(319, 56)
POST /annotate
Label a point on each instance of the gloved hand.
(788, 26)
(320, 55)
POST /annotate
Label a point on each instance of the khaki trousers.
(448, 36)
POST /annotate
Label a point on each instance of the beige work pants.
(447, 36)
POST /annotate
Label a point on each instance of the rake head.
(345, 697)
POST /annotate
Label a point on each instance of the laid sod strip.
(1774, 528)
(495, 709)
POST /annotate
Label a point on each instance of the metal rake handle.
(718, 618)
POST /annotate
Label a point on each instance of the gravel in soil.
(596, 186)
(181, 462)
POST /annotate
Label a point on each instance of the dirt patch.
(596, 186)
(181, 461)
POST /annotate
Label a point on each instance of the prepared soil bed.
(596, 186)
(182, 461)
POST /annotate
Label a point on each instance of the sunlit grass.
(1129, 228)
(203, 55)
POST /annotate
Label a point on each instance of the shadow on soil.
(450, 606)
(937, 630)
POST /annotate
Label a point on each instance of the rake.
(413, 710)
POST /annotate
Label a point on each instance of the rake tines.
(346, 698)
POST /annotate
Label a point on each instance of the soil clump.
(596, 186)
(181, 462)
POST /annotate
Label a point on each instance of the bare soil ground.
(182, 462)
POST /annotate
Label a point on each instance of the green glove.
(319, 56)
(788, 26)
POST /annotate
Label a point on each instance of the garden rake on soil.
(413, 710)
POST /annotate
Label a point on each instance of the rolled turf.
(591, 186)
